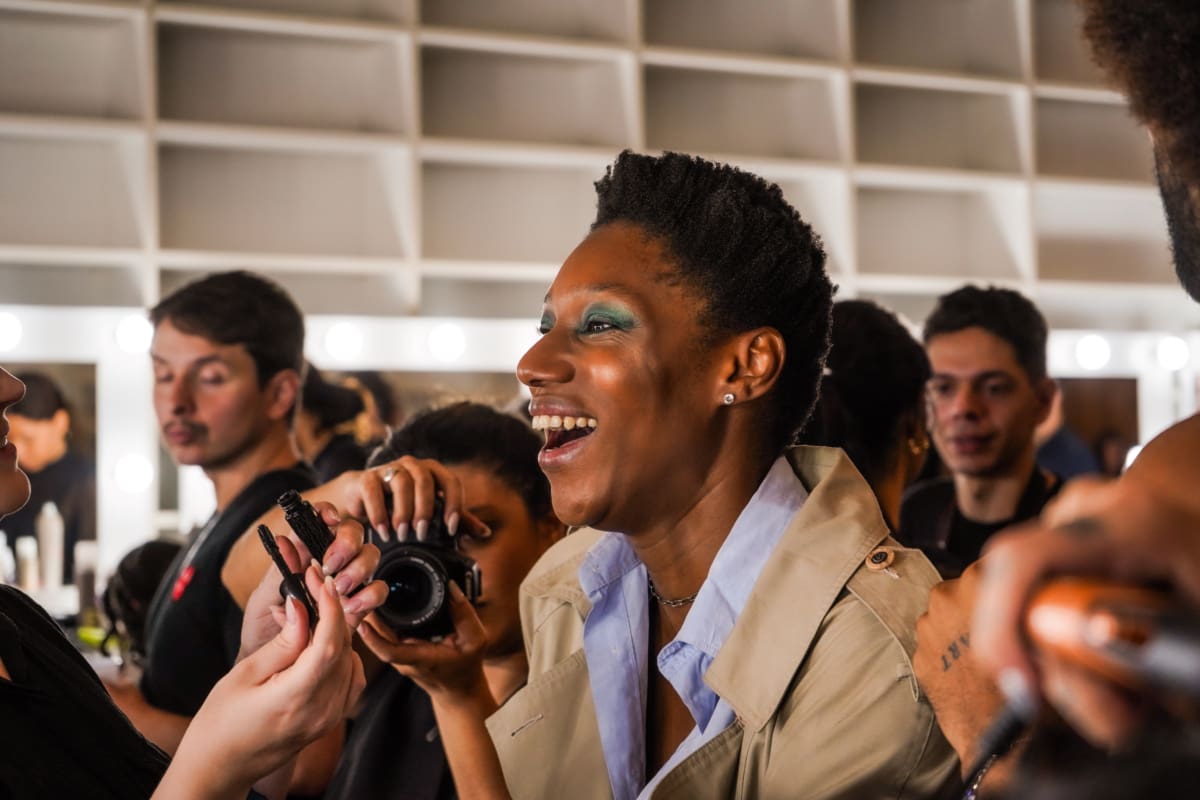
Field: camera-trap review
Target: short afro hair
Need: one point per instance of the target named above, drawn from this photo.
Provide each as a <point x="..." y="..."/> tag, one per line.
<point x="876" y="378"/>
<point x="743" y="249"/>
<point x="1004" y="313"/>
<point x="1152" y="49"/>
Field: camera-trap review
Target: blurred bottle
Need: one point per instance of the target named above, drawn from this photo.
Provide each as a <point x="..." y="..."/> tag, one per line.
<point x="87" y="556"/>
<point x="27" y="564"/>
<point x="8" y="562"/>
<point x="49" y="529"/>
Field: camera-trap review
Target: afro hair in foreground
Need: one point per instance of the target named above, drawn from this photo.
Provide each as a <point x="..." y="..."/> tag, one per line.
<point x="743" y="249"/>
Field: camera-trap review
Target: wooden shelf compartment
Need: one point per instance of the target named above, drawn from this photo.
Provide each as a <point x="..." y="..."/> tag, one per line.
<point x="70" y="65"/>
<point x="505" y="213"/>
<point x="823" y="201"/>
<point x="386" y="11"/>
<point x="489" y="299"/>
<point x="218" y="75"/>
<point x="809" y="29"/>
<point x="267" y="201"/>
<point x="931" y="128"/>
<point x="975" y="37"/>
<point x="116" y="282"/>
<point x="72" y="192"/>
<point x="1091" y="232"/>
<point x="1060" y="53"/>
<point x="586" y="20"/>
<point x="1091" y="140"/>
<point x="729" y="113"/>
<point x="497" y="96"/>
<point x="967" y="235"/>
<point x="1082" y="306"/>
<point x="329" y="293"/>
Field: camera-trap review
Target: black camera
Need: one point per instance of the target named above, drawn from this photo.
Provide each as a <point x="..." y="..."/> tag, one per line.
<point x="418" y="576"/>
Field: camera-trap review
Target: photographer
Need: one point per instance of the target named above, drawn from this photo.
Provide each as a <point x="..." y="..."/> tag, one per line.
<point x="394" y="744"/>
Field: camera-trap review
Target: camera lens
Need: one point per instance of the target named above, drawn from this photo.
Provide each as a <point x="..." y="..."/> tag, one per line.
<point x="416" y="588"/>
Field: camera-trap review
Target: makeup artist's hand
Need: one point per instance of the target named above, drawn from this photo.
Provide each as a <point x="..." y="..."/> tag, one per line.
<point x="271" y="704"/>
<point x="964" y="696"/>
<point x="264" y="616"/>
<point x="1142" y="527"/>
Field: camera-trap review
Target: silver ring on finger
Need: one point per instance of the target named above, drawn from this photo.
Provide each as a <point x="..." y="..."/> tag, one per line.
<point x="388" y="474"/>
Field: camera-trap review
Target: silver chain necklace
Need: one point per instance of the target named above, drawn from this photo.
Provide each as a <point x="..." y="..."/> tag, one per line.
<point x="678" y="603"/>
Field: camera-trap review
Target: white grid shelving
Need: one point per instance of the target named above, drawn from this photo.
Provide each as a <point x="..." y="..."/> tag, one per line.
<point x="436" y="156"/>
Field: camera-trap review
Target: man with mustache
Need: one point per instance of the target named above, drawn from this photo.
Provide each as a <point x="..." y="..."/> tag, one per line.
<point x="227" y="356"/>
<point x="987" y="394"/>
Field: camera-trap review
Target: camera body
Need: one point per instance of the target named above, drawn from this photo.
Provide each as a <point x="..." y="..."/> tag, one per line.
<point x="418" y="576"/>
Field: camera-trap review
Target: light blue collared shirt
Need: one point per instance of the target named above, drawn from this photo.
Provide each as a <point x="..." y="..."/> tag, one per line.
<point x="617" y="631"/>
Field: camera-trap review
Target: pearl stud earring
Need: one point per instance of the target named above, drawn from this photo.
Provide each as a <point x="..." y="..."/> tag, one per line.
<point x="728" y="398"/>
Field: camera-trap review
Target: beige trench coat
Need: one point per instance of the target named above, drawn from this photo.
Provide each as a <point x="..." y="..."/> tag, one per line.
<point x="817" y="669"/>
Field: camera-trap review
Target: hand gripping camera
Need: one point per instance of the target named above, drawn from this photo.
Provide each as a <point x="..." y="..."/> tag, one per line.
<point x="418" y="576"/>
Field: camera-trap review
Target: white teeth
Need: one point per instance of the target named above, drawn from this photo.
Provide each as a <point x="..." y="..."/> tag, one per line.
<point x="547" y="422"/>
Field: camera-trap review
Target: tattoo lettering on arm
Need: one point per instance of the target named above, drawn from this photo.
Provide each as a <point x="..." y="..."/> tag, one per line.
<point x="956" y="650"/>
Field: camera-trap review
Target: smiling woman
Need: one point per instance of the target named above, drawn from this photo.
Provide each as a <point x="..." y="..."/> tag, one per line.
<point x="732" y="620"/>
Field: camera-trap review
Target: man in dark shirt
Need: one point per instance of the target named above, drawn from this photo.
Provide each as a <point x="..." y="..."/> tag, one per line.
<point x="41" y="427"/>
<point x="988" y="392"/>
<point x="228" y="358"/>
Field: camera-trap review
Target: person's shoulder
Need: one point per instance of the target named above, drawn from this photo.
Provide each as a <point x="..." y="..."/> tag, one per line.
<point x="553" y="603"/>
<point x="557" y="571"/>
<point x="897" y="596"/>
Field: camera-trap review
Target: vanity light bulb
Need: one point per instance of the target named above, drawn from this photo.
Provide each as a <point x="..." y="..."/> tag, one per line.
<point x="1093" y="351"/>
<point x="447" y="342"/>
<point x="10" y="331"/>
<point x="1173" y="353"/>
<point x="344" y="341"/>
<point x="134" y="473"/>
<point x="134" y="334"/>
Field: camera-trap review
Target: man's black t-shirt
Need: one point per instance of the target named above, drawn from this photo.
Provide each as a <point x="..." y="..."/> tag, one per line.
<point x="193" y="628"/>
<point x="930" y="520"/>
<point x="60" y="734"/>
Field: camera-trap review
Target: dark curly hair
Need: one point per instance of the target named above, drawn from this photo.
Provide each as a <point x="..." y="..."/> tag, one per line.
<point x="1001" y="312"/>
<point x="737" y="243"/>
<point x="472" y="433"/>
<point x="240" y="308"/>
<point x="876" y="377"/>
<point x="1152" y="49"/>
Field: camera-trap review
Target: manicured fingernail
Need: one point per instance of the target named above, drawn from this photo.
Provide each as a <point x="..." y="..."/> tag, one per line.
<point x="312" y="562"/>
<point x="1017" y="691"/>
<point x="402" y="531"/>
<point x="344" y="584"/>
<point x="333" y="562"/>
<point x="382" y="530"/>
<point x="330" y="586"/>
<point x="422" y="528"/>
<point x="290" y="604"/>
<point x="352" y="605"/>
<point x="452" y="523"/>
